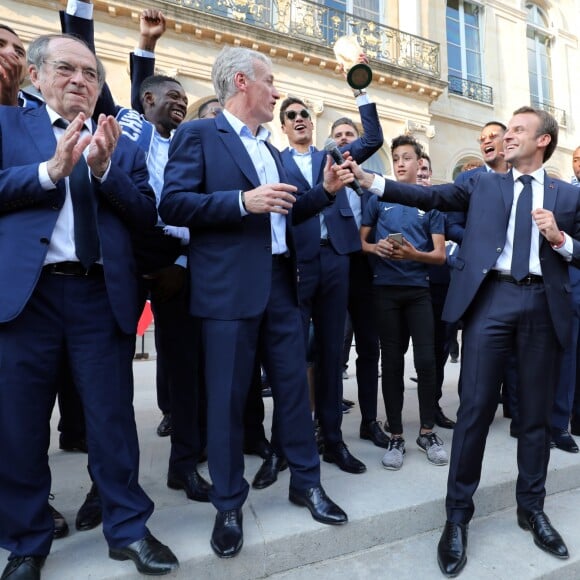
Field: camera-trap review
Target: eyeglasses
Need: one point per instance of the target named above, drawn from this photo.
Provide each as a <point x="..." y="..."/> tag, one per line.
<point x="67" y="70"/>
<point x="488" y="137"/>
<point x="304" y="113"/>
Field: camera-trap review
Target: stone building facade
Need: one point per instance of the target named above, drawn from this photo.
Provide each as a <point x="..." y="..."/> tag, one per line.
<point x="441" y="68"/>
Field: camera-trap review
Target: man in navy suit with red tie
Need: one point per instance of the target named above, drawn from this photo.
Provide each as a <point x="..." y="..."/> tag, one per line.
<point x="226" y="183"/>
<point x="510" y="285"/>
<point x="69" y="289"/>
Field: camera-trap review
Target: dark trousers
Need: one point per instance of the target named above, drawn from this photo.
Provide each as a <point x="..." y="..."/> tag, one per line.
<point x="72" y="419"/>
<point x="504" y="318"/>
<point x="254" y="412"/>
<point x="362" y="315"/>
<point x="230" y="348"/>
<point x="399" y="308"/>
<point x="178" y="344"/>
<point x="566" y="388"/>
<point x="323" y="291"/>
<point x="67" y="316"/>
<point x="442" y="336"/>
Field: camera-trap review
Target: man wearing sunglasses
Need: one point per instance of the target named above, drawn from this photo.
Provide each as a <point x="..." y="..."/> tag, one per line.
<point x="323" y="245"/>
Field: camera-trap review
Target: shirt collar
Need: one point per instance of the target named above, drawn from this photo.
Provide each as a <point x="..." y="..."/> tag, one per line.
<point x="538" y="175"/>
<point x="243" y="130"/>
<point x="295" y="153"/>
<point x="54" y="116"/>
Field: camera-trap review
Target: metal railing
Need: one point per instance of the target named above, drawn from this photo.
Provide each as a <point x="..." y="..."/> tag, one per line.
<point x="470" y="89"/>
<point x="311" y="21"/>
<point x="558" y="114"/>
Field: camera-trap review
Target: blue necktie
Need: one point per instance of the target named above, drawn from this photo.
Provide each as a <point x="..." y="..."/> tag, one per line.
<point x="523" y="231"/>
<point x="83" y="202"/>
<point x="87" y="246"/>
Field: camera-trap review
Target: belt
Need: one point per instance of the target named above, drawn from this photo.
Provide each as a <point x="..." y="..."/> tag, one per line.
<point x="529" y="279"/>
<point x="324" y="241"/>
<point x="73" y="269"/>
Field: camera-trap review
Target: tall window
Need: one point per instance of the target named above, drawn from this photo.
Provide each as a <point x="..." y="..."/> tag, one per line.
<point x="540" y="70"/>
<point x="463" y="40"/>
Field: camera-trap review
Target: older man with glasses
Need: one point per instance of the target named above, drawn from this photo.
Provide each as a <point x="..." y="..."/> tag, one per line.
<point x="70" y="191"/>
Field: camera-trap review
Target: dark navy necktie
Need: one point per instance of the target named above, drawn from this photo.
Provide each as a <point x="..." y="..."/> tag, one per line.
<point x="84" y="214"/>
<point x="523" y="231"/>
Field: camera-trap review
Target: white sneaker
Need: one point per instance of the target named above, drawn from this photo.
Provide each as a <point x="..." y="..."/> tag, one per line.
<point x="393" y="458"/>
<point x="433" y="447"/>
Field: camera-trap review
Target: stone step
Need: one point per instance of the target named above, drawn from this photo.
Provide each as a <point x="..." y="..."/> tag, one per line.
<point x="497" y="550"/>
<point x="389" y="511"/>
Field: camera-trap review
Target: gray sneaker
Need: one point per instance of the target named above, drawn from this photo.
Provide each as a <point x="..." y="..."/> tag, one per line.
<point x="393" y="458"/>
<point x="433" y="447"/>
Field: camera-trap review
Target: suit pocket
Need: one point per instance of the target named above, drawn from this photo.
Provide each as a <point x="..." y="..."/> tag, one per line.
<point x="346" y="212"/>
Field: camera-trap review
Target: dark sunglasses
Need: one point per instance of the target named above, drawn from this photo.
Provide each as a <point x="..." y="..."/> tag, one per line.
<point x="293" y="114"/>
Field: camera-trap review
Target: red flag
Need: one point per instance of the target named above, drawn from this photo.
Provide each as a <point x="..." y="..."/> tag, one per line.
<point x="145" y="320"/>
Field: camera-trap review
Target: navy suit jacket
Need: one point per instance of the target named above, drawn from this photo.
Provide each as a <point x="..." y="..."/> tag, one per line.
<point x="342" y="231"/>
<point x="28" y="214"/>
<point x="230" y="256"/>
<point x="487" y="198"/>
<point x="455" y="220"/>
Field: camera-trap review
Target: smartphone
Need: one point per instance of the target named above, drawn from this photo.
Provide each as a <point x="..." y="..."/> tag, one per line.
<point x="398" y="238"/>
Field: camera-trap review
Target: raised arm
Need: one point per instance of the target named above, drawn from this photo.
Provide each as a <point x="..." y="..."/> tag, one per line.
<point x="152" y="26"/>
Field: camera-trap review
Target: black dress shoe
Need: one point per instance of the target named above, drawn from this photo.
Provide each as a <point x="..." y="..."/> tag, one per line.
<point x="90" y="514"/>
<point x="442" y="421"/>
<point x="339" y="454"/>
<point x="268" y="472"/>
<point x="60" y="525"/>
<point x="68" y="443"/>
<point x="561" y="439"/>
<point x="227" y="537"/>
<point x="545" y="536"/>
<point x="151" y="557"/>
<point x="348" y="402"/>
<point x="194" y="485"/>
<point x="164" y="427"/>
<point x="451" y="551"/>
<point x="262" y="448"/>
<point x="322" y="508"/>
<point x="372" y="431"/>
<point x="23" y="568"/>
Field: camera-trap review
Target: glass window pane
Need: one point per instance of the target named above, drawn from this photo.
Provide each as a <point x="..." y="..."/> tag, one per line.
<point x="453" y="9"/>
<point x="454" y="59"/>
<point x="453" y="32"/>
<point x="472" y="38"/>
<point x="474" y="66"/>
<point x="471" y="14"/>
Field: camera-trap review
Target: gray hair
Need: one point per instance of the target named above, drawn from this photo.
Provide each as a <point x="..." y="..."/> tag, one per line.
<point x="232" y="60"/>
<point x="38" y="49"/>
